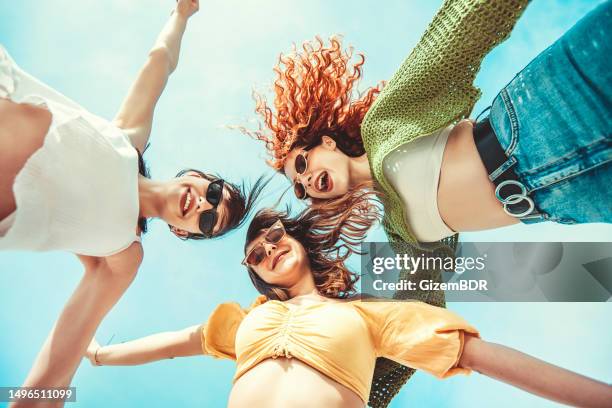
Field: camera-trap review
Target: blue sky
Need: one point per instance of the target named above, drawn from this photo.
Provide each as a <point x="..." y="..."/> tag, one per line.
<point x="91" y="51"/>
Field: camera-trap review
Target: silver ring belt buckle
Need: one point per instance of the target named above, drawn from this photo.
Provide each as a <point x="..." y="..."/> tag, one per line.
<point x="514" y="199"/>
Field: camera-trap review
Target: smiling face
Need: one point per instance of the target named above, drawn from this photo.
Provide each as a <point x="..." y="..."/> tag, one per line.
<point x="185" y="201"/>
<point x="285" y="262"/>
<point x="327" y="174"/>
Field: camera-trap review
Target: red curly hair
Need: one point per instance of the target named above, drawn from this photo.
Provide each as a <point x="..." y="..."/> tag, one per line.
<point x="313" y="98"/>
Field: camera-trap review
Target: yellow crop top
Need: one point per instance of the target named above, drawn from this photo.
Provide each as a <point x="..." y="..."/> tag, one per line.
<point x="414" y="334"/>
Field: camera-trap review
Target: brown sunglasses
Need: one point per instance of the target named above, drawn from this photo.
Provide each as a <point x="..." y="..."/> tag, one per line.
<point x="258" y="253"/>
<point x="300" y="164"/>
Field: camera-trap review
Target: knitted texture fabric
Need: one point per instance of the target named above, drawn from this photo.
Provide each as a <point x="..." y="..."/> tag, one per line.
<point x="389" y="376"/>
<point x="433" y="87"/>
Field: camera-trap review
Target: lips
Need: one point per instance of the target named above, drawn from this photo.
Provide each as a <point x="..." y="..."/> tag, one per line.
<point x="187" y="201"/>
<point x="324" y="182"/>
<point x="278" y="257"/>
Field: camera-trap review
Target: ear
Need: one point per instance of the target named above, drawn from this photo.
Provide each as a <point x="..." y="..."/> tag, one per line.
<point x="179" y="232"/>
<point x="328" y="143"/>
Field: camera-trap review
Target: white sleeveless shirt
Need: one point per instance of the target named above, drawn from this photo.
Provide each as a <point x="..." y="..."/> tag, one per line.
<point x="79" y="191"/>
<point x="413" y="169"/>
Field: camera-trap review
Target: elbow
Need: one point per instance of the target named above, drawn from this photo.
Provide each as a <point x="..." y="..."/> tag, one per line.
<point x="172" y="349"/>
<point x="126" y="275"/>
<point x="161" y="55"/>
<point x="124" y="265"/>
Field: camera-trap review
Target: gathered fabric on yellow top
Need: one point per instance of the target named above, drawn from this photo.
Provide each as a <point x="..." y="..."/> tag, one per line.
<point x="414" y="334"/>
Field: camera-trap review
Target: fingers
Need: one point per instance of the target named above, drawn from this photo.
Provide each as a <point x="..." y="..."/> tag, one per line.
<point x="187" y="8"/>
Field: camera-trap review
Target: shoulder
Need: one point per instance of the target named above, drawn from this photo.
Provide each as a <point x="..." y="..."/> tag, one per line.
<point x="259" y="300"/>
<point x="233" y="310"/>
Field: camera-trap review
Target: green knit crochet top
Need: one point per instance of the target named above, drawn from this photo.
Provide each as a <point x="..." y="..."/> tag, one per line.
<point x="433" y="88"/>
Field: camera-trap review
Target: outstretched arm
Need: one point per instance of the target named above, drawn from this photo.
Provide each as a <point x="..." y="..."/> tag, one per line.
<point x="136" y="113"/>
<point x="533" y="375"/>
<point x="182" y="343"/>
<point x="104" y="282"/>
<point x="434" y="85"/>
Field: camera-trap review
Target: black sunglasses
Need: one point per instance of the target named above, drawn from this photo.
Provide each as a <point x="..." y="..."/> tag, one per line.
<point x="208" y="218"/>
<point x="258" y="253"/>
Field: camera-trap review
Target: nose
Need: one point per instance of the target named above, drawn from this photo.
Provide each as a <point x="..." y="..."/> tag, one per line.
<point x="305" y="178"/>
<point x="269" y="248"/>
<point x="202" y="204"/>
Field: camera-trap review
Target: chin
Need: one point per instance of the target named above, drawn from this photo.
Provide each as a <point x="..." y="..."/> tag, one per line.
<point x="290" y="266"/>
<point x="337" y="193"/>
<point x="328" y="195"/>
<point x="286" y="266"/>
<point x="340" y="188"/>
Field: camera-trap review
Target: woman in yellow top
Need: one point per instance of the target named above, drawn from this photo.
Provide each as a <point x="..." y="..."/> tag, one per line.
<point x="298" y="332"/>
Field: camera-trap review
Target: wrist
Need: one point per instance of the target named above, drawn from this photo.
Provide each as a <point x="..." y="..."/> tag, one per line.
<point x="97" y="357"/>
<point x="183" y="17"/>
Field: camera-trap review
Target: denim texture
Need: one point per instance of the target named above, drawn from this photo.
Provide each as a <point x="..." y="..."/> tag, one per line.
<point x="555" y="118"/>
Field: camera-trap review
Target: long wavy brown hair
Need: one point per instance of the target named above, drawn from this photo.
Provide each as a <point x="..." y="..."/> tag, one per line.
<point x="314" y="96"/>
<point x="329" y="238"/>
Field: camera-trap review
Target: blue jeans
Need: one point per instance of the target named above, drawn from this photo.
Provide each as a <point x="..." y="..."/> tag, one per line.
<point x="554" y="122"/>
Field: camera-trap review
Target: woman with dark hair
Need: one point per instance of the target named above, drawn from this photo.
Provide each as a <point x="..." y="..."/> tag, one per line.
<point x="299" y="330"/>
<point x="544" y="152"/>
<point x="72" y="181"/>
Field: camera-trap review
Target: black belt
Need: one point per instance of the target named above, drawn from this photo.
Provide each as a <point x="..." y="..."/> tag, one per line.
<point x="510" y="191"/>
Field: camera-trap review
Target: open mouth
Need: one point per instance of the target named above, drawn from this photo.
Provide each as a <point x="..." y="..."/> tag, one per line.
<point x="278" y="257"/>
<point x="187" y="200"/>
<point x="324" y="182"/>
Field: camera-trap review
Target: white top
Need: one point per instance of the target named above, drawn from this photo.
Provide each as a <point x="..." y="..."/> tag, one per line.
<point x="79" y="191"/>
<point x="413" y="170"/>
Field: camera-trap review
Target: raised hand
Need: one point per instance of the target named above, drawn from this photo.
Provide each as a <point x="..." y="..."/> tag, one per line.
<point x="187" y="8"/>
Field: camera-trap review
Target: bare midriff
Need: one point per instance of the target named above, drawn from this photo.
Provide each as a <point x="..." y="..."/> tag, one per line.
<point x="288" y="382"/>
<point x="466" y="196"/>
<point x="23" y="128"/>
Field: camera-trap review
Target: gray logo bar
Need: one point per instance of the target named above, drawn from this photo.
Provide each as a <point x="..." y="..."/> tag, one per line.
<point x="490" y="271"/>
